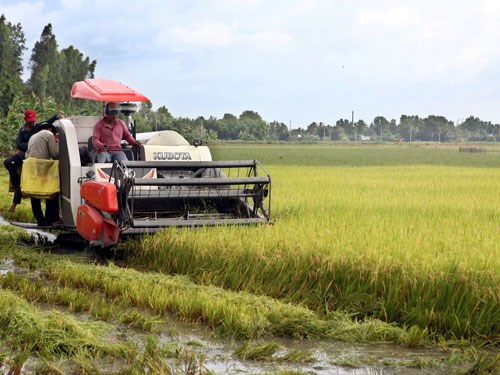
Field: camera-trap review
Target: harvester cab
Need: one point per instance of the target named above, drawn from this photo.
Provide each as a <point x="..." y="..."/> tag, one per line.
<point x="166" y="182"/>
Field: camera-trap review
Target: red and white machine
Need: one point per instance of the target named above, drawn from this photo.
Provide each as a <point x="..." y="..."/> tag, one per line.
<point x="166" y="182"/>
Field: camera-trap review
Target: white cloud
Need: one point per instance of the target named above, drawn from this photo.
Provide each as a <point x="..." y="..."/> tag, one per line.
<point x="389" y="18"/>
<point x="71" y="5"/>
<point x="204" y="35"/>
<point x="271" y="41"/>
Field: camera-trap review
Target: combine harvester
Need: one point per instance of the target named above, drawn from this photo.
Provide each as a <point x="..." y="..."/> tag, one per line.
<point x="165" y="183"/>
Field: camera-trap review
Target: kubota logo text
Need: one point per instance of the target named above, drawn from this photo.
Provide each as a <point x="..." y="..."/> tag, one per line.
<point x="171" y="156"/>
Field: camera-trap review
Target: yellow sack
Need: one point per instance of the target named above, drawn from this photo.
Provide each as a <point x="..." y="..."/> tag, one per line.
<point x="40" y="178"/>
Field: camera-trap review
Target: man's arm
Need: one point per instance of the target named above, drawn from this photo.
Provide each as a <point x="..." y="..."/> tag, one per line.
<point x="53" y="146"/>
<point x="128" y="137"/>
<point x="21" y="141"/>
<point x="52" y="119"/>
<point x="96" y="139"/>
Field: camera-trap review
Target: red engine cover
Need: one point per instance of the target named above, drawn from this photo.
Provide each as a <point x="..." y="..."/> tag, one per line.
<point x="101" y="195"/>
<point x="95" y="228"/>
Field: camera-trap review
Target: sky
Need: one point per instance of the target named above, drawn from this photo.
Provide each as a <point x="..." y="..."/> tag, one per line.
<point x="291" y="61"/>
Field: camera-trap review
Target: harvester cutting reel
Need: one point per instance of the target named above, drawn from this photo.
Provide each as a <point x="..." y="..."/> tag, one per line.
<point x="143" y="197"/>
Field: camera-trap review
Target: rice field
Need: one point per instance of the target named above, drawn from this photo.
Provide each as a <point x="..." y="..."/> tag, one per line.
<point x="369" y="244"/>
<point x="391" y="233"/>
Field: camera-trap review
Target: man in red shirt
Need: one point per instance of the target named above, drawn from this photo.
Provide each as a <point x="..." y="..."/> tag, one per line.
<point x="108" y="134"/>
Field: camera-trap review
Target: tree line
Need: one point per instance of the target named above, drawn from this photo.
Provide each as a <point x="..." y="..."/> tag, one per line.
<point x="409" y="129"/>
<point x="52" y="73"/>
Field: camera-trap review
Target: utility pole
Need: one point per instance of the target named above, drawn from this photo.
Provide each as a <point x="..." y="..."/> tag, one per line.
<point x="352" y="124"/>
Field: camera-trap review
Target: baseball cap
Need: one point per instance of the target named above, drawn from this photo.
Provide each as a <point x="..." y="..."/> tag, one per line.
<point x="111" y="108"/>
<point x="30" y="116"/>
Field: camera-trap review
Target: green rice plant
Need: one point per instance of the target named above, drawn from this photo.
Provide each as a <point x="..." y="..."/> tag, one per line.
<point x="172" y="358"/>
<point x="50" y="333"/>
<point x="85" y="364"/>
<point x="297" y="356"/>
<point x="16" y="362"/>
<point x="271" y="352"/>
<point x="257" y="351"/>
<point x="50" y="368"/>
<point x="140" y="320"/>
<point x="23" y="211"/>
<point x="231" y="313"/>
<point x="10" y="235"/>
<point x="413" y="245"/>
<point x="486" y="364"/>
<point x="79" y="300"/>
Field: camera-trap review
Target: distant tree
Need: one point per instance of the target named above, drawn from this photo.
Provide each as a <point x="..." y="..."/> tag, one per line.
<point x="325" y="131"/>
<point x="339" y="134"/>
<point x="164" y="119"/>
<point x="279" y="131"/>
<point x="312" y="128"/>
<point x="12" y="45"/>
<point x="185" y="126"/>
<point x="410" y="127"/>
<point x="474" y="129"/>
<point x="211" y="126"/>
<point x="472" y="124"/>
<point x="145" y="117"/>
<point x="52" y="72"/>
<point x="379" y="126"/>
<point x="255" y="127"/>
<point x="436" y="128"/>
<point x="493" y="131"/>
<point x="45" y="65"/>
<point x="15" y="118"/>
<point x="229" y="127"/>
<point x="73" y="68"/>
<point x="346" y="125"/>
<point x="360" y="128"/>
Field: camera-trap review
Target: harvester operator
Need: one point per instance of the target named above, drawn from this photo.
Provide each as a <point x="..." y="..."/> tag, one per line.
<point x="108" y="134"/>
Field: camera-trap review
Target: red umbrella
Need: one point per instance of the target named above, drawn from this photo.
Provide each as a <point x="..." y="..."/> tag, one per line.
<point x="105" y="90"/>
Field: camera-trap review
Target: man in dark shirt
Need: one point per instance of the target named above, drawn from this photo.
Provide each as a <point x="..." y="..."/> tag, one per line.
<point x="15" y="161"/>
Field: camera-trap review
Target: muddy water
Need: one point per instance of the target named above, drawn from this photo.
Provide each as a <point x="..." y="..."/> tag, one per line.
<point x="326" y="356"/>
